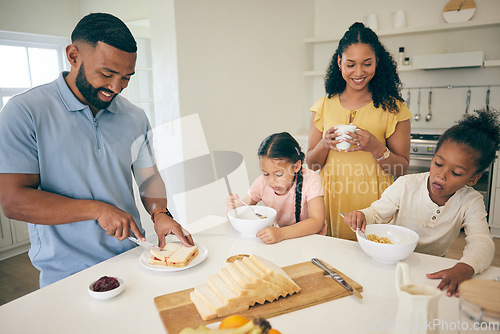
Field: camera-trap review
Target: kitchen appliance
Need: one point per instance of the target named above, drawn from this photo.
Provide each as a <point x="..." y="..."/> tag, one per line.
<point x="422" y="148"/>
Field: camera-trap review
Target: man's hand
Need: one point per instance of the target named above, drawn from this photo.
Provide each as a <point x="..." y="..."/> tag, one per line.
<point x="452" y="277"/>
<point x="164" y="225"/>
<point x="117" y="223"/>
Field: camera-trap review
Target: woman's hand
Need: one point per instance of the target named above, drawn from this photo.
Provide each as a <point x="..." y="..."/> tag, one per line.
<point x="270" y="235"/>
<point x="356" y="220"/>
<point x="329" y="140"/>
<point x="452" y="277"/>
<point x="364" y="140"/>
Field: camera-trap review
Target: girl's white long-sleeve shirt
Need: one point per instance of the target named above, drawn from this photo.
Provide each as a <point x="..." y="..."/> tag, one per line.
<point x="408" y="203"/>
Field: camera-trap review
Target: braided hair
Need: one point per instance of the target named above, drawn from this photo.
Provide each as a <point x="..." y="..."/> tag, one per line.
<point x="480" y="132"/>
<point x="283" y="146"/>
<point x="385" y="85"/>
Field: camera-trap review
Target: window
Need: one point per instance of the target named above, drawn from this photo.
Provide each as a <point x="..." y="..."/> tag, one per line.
<point x="140" y="89"/>
<point x="28" y="60"/>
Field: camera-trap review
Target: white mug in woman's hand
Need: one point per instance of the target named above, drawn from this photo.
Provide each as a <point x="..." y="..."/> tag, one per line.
<point x="344" y="129"/>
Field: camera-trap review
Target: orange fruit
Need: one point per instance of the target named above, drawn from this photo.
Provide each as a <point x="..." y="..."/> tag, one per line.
<point x="273" y="331"/>
<point x="233" y="321"/>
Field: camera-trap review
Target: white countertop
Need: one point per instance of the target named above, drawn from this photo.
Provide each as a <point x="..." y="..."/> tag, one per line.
<point x="66" y="306"/>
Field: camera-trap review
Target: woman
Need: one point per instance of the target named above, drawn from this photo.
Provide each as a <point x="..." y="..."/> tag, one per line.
<point x="362" y="88"/>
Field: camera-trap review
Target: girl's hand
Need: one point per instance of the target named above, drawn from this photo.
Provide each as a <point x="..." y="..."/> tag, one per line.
<point x="356" y="220"/>
<point x="270" y="235"/>
<point x="364" y="140"/>
<point x="232" y="202"/>
<point x="329" y="140"/>
<point x="452" y="277"/>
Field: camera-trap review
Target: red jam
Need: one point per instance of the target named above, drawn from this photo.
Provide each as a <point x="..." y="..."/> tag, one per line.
<point x="105" y="283"/>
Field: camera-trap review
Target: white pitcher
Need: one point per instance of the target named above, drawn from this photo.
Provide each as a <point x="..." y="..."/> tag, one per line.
<point x="417" y="304"/>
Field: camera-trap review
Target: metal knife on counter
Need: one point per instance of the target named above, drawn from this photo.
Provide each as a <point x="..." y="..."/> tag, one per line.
<point x="336" y="277"/>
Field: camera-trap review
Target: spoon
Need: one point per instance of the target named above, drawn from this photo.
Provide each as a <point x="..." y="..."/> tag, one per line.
<point x="363" y="233"/>
<point x="429" y="113"/>
<point x="417" y="115"/>
<point x="255" y="213"/>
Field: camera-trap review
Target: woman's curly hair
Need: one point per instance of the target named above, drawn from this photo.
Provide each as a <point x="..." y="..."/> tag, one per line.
<point x="385" y="85"/>
<point x="480" y="131"/>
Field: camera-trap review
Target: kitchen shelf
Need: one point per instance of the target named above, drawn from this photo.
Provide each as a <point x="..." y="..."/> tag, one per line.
<point x="492" y="63"/>
<point x="405" y="68"/>
<point x="415" y="30"/>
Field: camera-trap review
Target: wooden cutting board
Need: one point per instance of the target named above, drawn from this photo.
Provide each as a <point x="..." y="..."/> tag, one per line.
<point x="177" y="311"/>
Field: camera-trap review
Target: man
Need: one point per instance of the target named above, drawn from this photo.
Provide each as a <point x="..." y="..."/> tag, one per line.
<point x="67" y="153"/>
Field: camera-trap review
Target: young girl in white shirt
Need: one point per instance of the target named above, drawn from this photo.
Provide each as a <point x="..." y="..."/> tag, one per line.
<point x="293" y="190"/>
<point x="438" y="203"/>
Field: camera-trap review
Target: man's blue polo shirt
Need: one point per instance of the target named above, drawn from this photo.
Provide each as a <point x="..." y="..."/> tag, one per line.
<point x="48" y="131"/>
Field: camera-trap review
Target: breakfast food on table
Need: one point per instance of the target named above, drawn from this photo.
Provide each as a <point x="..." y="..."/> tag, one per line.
<point x="236" y="257"/>
<point x="381" y="240"/>
<point x="174" y="254"/>
<point x="241" y="284"/>
<point x="236" y="324"/>
<point x="105" y="283"/>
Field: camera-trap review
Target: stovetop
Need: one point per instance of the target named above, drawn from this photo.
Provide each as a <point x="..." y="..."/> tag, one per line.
<point x="425" y="136"/>
<point x="424" y="144"/>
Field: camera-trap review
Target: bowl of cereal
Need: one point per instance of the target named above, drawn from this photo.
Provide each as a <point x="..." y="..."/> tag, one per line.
<point x="387" y="243"/>
<point x="247" y="223"/>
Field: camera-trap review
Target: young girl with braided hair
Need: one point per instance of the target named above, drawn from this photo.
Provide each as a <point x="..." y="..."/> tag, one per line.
<point x="438" y="203"/>
<point x="292" y="189"/>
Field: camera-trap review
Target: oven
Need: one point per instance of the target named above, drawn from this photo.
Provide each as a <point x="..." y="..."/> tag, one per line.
<point x="422" y="149"/>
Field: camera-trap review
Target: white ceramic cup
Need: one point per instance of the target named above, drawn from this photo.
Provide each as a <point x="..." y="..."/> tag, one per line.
<point x="345" y="129"/>
<point x="371" y="21"/>
<point x="398" y="19"/>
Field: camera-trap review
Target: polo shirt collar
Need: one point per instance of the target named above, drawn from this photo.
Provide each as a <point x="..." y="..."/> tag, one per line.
<point x="69" y="99"/>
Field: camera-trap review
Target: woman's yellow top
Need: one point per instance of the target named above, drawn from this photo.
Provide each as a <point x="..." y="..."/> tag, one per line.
<point x="353" y="180"/>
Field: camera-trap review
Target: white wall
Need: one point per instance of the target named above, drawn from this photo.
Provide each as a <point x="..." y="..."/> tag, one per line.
<point x="240" y="67"/>
<point x="48" y="17"/>
<point x="333" y="18"/>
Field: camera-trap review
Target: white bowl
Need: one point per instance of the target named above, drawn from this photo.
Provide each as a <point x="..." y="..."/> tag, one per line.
<point x="107" y="294"/>
<point x="403" y="241"/>
<point x="248" y="224"/>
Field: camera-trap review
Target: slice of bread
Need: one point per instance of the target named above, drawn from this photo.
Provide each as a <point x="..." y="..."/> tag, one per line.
<point x="215" y="304"/>
<point x="285" y="288"/>
<point x="275" y="271"/>
<point x="252" y="294"/>
<point x="182" y="256"/>
<point x="202" y="309"/>
<point x="223" y="291"/>
<point x="160" y="256"/>
<point x="240" y="285"/>
<point x="271" y="291"/>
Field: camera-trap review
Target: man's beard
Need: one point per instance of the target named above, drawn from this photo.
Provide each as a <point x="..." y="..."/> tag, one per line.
<point x="89" y="92"/>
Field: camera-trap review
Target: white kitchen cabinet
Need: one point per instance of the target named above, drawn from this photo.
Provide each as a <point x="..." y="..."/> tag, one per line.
<point x="14" y="238"/>
<point x="5" y="231"/>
